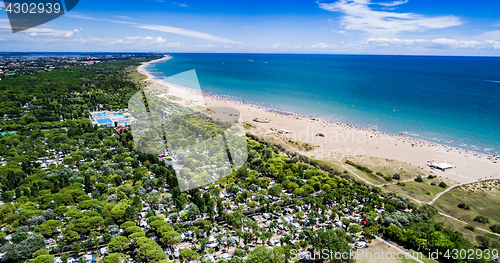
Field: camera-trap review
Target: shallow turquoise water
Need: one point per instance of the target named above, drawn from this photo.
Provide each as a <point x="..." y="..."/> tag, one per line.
<point x="450" y="100"/>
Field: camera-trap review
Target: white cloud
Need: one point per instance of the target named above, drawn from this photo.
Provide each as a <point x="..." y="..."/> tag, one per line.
<point x="51" y="32"/>
<point x="489" y="35"/>
<point x="205" y="46"/>
<point x="124" y="17"/>
<point x="395" y="3"/>
<point x="432" y="43"/>
<point x="167" y="29"/>
<point x="79" y="16"/>
<point x="185" y="32"/>
<point x="4" y="24"/>
<point x="143" y="41"/>
<point x="320" y="45"/>
<point x="361" y="15"/>
<point x="2" y="5"/>
<point x="179" y="4"/>
<point x="160" y="40"/>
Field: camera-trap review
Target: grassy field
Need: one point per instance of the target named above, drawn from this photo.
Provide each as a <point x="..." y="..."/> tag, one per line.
<point x="370" y="177"/>
<point x="483" y="198"/>
<point x="172" y="97"/>
<point x="201" y="108"/>
<point x="289" y="144"/>
<point x="455" y="225"/>
<point x="423" y="191"/>
<point x="248" y="126"/>
<point x="389" y="167"/>
<point x="337" y="167"/>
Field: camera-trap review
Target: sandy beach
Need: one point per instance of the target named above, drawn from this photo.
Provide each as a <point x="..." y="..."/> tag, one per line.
<point x="342" y="140"/>
<point x="142" y="68"/>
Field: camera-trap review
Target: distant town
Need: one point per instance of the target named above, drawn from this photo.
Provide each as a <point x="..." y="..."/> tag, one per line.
<point x="18" y="64"/>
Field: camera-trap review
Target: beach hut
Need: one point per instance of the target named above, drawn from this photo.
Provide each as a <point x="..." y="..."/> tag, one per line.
<point x="444" y="166"/>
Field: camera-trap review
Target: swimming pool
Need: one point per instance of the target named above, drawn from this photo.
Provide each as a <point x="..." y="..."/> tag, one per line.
<point x="105" y="121"/>
<point x="124" y="121"/>
<point x="118" y="114"/>
<point x="101" y="114"/>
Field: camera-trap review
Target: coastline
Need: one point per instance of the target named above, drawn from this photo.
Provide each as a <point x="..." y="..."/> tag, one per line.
<point x="343" y="140"/>
<point x="142" y="68"/>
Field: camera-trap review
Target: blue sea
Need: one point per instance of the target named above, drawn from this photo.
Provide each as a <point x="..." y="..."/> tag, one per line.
<point x="448" y="100"/>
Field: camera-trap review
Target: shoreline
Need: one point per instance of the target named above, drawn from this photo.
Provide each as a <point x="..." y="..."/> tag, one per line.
<point x="142" y="68"/>
<point x="342" y="140"/>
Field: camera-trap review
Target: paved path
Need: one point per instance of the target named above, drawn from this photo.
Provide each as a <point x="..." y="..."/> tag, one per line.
<point x="457" y="185"/>
<point x="447" y="190"/>
<point x="482" y="229"/>
<point x="406" y="254"/>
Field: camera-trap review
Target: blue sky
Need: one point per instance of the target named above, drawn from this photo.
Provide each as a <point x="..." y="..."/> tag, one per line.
<point x="411" y="27"/>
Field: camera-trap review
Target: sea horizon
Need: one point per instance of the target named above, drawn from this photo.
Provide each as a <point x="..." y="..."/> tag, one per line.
<point x="244" y="53"/>
<point x="369" y="101"/>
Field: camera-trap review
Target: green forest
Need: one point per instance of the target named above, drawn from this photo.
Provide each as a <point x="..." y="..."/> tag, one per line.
<point x="72" y="192"/>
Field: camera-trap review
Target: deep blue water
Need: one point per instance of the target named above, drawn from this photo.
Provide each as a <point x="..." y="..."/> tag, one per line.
<point x="450" y="100"/>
